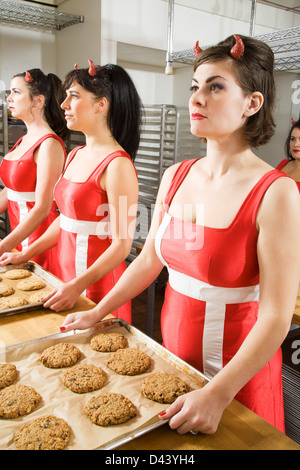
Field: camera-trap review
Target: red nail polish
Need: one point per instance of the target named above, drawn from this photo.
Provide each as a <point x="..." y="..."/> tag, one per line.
<point x="62" y="329"/>
<point x="162" y="414"/>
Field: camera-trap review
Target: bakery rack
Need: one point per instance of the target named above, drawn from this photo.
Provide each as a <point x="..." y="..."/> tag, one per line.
<point x="17" y="13"/>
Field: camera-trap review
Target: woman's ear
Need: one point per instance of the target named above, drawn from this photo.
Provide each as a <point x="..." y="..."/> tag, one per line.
<point x="102" y="105"/>
<point x="256" y="100"/>
<point x="39" y="101"/>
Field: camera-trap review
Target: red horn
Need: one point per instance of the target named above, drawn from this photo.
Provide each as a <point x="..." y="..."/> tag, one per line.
<point x="197" y="50"/>
<point x="76" y="67"/>
<point x="293" y="121"/>
<point x="28" y="77"/>
<point x="92" y="69"/>
<point x="238" y="49"/>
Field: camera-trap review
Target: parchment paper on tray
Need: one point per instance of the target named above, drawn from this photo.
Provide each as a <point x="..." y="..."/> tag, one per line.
<point x="63" y="403"/>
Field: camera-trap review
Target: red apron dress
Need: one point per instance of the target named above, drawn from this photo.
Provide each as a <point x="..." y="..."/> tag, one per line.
<point x="85" y="231"/>
<point x="282" y="165"/>
<point x="19" y="177"/>
<point x="211" y="300"/>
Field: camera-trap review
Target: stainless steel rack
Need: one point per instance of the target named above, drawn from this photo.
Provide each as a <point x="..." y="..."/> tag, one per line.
<point x="17" y="13"/>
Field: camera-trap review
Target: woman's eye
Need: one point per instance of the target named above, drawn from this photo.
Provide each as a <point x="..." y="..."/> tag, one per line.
<point x="193" y="89"/>
<point x="216" y="87"/>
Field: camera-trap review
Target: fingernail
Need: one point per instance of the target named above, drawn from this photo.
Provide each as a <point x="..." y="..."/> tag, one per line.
<point x="162" y="414"/>
<point x="62" y="329"/>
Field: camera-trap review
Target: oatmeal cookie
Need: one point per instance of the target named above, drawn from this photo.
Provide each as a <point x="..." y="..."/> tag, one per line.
<point x="31" y="284"/>
<point x="129" y="362"/>
<point x="12" y="302"/>
<point x="5" y="290"/>
<point x="37" y="297"/>
<point x="18" y="400"/>
<point x="17" y="273"/>
<point x="8" y="374"/>
<point x="60" y="355"/>
<point x="108" y="342"/>
<point x="163" y="387"/>
<point x="108" y="409"/>
<point x="45" y="433"/>
<point x="84" y="378"/>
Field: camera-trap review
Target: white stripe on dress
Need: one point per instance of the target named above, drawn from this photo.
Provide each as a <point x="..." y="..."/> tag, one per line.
<point x="21" y="198"/>
<point x="83" y="229"/>
<point x="216" y="299"/>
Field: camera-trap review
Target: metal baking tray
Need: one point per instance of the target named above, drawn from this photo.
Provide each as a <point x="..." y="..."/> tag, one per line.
<point x="49" y="278"/>
<point x="188" y="371"/>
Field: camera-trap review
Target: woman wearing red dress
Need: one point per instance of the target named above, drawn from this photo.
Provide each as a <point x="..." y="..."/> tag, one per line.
<point x="291" y="165"/>
<point x="31" y="169"/>
<point x="98" y="190"/>
<point x="221" y="226"/>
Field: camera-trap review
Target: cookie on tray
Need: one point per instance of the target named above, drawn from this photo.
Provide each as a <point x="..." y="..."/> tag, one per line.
<point x="12" y="302"/>
<point x="163" y="387"/>
<point x="6" y="291"/>
<point x="108" y="409"/>
<point x="18" y="400"/>
<point x="60" y="355"/>
<point x="108" y="342"/>
<point x="31" y="284"/>
<point x="8" y="374"/>
<point x="45" y="433"/>
<point x="37" y="297"/>
<point x="129" y="361"/>
<point x="84" y="378"/>
<point x="17" y="273"/>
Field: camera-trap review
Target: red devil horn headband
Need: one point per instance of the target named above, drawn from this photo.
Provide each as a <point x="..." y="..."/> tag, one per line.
<point x="197" y="50"/>
<point x="28" y="77"/>
<point x="238" y="49"/>
<point x="92" y="68"/>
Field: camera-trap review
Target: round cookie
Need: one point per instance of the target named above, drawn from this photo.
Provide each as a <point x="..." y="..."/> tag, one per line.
<point x="60" y="355"/>
<point x="17" y="400"/>
<point x="12" y="302"/>
<point x="37" y="297"/>
<point x="5" y="290"/>
<point x="108" y="342"/>
<point x="45" y="433"/>
<point x="163" y="387"/>
<point x="8" y="374"/>
<point x="108" y="409"/>
<point x="84" y="378"/>
<point x="129" y="362"/>
<point x="17" y="274"/>
<point x="31" y="284"/>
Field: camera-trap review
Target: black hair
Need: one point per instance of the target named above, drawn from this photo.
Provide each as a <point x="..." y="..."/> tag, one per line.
<point x="50" y="86"/>
<point x="288" y="140"/>
<point x="113" y="82"/>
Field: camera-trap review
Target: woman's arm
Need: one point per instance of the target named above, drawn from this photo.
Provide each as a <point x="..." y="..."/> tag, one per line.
<point x="139" y="275"/>
<point x="50" y="161"/>
<point x="3" y="200"/>
<point x="279" y="263"/>
<point x="48" y="240"/>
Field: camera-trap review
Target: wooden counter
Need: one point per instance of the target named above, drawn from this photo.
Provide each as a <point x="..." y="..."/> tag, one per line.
<point x="240" y="429"/>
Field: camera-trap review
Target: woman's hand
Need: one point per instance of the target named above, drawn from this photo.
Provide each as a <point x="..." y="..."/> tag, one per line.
<point x="13" y="258"/>
<point x="62" y="298"/>
<point x="197" y="411"/>
<point x="80" y="320"/>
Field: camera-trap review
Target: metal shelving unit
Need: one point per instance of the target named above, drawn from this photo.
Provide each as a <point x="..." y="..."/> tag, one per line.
<point x="17" y="13"/>
<point x="285" y="43"/>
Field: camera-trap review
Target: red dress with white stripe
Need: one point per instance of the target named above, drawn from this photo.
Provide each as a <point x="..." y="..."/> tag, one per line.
<point x="19" y="177"/>
<point x="211" y="300"/>
<point x="85" y="230"/>
<point x="282" y="164"/>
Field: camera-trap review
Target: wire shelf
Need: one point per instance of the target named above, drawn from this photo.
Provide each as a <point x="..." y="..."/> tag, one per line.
<point x="285" y="44"/>
<point x="36" y="17"/>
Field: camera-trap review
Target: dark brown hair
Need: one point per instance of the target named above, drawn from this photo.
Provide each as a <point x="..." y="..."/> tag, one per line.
<point x="288" y="141"/>
<point x="113" y="82"/>
<point x="254" y="72"/>
<point x="50" y="86"/>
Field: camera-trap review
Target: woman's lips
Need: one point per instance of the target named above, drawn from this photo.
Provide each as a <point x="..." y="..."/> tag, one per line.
<point x="198" y="117"/>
